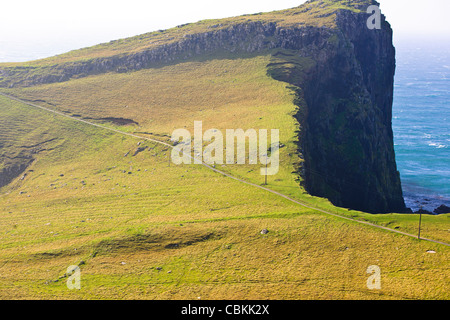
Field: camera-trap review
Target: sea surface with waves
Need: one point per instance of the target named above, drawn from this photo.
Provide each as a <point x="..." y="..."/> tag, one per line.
<point x="421" y="122"/>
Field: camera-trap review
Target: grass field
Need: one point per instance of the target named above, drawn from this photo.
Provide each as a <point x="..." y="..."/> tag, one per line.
<point x="141" y="229"/>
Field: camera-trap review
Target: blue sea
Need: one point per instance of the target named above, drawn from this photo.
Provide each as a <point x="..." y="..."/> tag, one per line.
<point x="421" y="122"/>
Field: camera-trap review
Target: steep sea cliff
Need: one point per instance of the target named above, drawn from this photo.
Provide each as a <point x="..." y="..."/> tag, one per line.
<point x="343" y="74"/>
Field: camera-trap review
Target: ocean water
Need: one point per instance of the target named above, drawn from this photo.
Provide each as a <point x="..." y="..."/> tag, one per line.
<point x="421" y="122"/>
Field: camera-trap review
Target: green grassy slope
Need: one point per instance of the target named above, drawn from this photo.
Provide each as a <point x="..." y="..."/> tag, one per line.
<point x="126" y="216"/>
<point x="223" y="93"/>
<point x="140" y="228"/>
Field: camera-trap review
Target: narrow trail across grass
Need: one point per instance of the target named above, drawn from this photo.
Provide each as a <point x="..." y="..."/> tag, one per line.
<point x="221" y="172"/>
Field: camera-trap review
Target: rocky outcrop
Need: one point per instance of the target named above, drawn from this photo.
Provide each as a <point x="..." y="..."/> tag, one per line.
<point x="251" y="37"/>
<point x="443" y="209"/>
<point x="16" y="163"/>
<point x="345" y="108"/>
<point x="343" y="77"/>
<point x="8" y="174"/>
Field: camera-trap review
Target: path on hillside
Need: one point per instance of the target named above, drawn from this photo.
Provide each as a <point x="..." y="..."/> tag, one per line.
<point x="221" y="172"/>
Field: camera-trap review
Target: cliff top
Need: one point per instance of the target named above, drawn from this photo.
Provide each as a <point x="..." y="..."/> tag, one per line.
<point x="314" y="13"/>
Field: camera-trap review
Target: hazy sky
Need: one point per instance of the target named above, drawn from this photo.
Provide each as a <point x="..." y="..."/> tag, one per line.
<point x="43" y="27"/>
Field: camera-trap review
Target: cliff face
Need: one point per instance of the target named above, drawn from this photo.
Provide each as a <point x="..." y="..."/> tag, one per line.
<point x="348" y="140"/>
<point x="250" y="38"/>
<point x="343" y="75"/>
<point x="345" y="108"/>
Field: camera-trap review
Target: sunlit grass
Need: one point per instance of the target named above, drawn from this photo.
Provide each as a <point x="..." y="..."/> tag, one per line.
<point x="125" y="216"/>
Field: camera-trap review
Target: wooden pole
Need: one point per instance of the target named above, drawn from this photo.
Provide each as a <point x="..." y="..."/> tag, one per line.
<point x="265" y="177"/>
<point x="266" y="174"/>
<point x="420" y="224"/>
